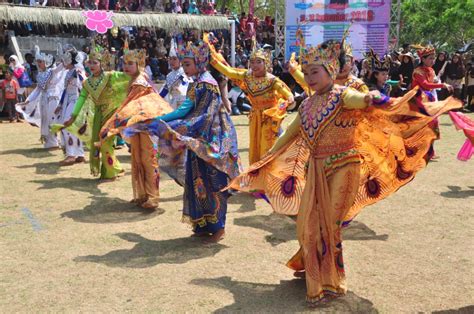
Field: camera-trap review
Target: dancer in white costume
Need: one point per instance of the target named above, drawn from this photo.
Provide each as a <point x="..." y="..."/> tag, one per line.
<point x="39" y="107"/>
<point x="176" y="85"/>
<point x="73" y="63"/>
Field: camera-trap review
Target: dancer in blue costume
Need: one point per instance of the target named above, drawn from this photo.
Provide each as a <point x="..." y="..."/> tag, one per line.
<point x="201" y="132"/>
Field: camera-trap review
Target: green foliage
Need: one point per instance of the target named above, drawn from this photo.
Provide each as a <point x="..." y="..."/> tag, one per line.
<point x="262" y="7"/>
<point x="448" y="24"/>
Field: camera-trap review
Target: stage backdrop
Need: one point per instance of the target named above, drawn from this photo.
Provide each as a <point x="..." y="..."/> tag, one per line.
<point x="320" y="20"/>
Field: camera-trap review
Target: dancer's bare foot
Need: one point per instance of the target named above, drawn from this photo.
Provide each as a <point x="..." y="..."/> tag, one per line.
<point x="69" y="161"/>
<point x="121" y="173"/>
<point x="80" y="160"/>
<point x="216" y="237"/>
<point x="300" y="274"/>
<point x="149" y="205"/>
<point x="200" y="235"/>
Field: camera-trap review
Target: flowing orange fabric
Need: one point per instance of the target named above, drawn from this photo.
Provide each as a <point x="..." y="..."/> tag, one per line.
<point x="142" y="103"/>
<point x="390" y="145"/>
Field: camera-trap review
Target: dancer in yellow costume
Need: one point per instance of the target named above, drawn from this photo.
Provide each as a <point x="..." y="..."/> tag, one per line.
<point x="333" y="166"/>
<point x="268" y="95"/>
<point x="142" y="103"/>
<point x="101" y="95"/>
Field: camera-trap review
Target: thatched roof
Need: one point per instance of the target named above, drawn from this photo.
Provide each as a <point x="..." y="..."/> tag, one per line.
<point x="60" y="16"/>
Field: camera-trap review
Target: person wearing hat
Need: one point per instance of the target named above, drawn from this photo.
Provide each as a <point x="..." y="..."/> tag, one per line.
<point x="406" y="68"/>
<point x="201" y="133"/>
<point x="424" y="78"/>
<point x="72" y="61"/>
<point x="142" y="103"/>
<point x="176" y="84"/>
<point x="38" y="109"/>
<point x="327" y="166"/>
<point x="268" y="95"/>
<point x="102" y="93"/>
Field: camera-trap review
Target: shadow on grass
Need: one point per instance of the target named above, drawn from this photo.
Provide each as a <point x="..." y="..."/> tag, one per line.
<point x="457" y="192"/>
<point x="29" y="152"/>
<point x="106" y="210"/>
<point x="286" y="297"/>
<point x="75" y="184"/>
<point x="246" y="201"/>
<point x="148" y="253"/>
<point x="462" y="310"/>
<point x="44" y="167"/>
<point x="282" y="228"/>
<point x="358" y="231"/>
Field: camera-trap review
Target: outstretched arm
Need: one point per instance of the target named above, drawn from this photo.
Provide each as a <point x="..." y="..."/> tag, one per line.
<point x="179" y="113"/>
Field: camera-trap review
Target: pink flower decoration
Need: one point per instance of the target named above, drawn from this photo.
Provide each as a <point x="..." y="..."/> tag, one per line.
<point x="99" y="21"/>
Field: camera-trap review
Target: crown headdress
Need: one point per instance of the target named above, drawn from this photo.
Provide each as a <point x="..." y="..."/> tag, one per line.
<point x="375" y="63"/>
<point x="99" y="53"/>
<point x="137" y="55"/>
<point x="326" y="55"/>
<point x="47" y="58"/>
<point x="261" y="54"/>
<point x="345" y="44"/>
<point x="200" y="54"/>
<point x="423" y="51"/>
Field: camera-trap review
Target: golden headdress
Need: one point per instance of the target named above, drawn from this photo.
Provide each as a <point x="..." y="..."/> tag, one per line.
<point x="345" y="44"/>
<point x="101" y="54"/>
<point x="261" y="54"/>
<point x="199" y="52"/>
<point x="324" y="54"/>
<point x="423" y="51"/>
<point x="375" y="63"/>
<point x="138" y="56"/>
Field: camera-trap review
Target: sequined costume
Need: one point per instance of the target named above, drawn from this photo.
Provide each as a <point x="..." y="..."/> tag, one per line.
<point x="335" y="157"/>
<point x="202" y="132"/>
<point x="142" y="103"/>
<point x="268" y="96"/>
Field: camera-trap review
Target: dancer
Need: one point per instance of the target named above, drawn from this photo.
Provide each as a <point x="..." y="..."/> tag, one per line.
<point x="334" y="166"/>
<point x="379" y="73"/>
<point x="202" y="132"/>
<point x="424" y="77"/>
<point x="73" y="63"/>
<point x="102" y="94"/>
<point x="176" y="85"/>
<point x="38" y="109"/>
<point x="267" y="94"/>
<point x="142" y="103"/>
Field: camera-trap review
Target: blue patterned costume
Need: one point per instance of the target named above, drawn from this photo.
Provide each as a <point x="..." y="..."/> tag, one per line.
<point x="201" y="133"/>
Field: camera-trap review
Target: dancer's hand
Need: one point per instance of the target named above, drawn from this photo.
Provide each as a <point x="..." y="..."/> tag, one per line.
<point x="450" y="88"/>
<point x="293" y="64"/>
<point x="371" y="96"/>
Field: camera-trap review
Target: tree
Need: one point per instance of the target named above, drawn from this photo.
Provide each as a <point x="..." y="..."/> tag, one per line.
<point x="262" y="7"/>
<point x="444" y="23"/>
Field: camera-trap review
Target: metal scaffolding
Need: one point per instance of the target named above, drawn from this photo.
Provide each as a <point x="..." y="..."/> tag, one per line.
<point x="394" y="31"/>
<point x="280" y="9"/>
